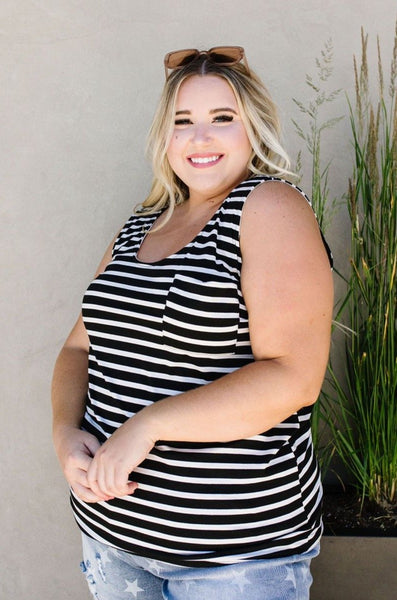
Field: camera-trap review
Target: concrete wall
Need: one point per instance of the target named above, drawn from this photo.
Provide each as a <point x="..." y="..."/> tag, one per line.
<point x="78" y="85"/>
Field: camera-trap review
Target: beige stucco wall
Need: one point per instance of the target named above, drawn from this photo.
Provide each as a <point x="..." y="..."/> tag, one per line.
<point x="78" y="85"/>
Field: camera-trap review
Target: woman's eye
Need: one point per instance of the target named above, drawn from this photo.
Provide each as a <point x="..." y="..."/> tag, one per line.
<point x="185" y="121"/>
<point x="223" y="119"/>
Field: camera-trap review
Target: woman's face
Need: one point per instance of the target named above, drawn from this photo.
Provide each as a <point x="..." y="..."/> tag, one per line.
<point x="209" y="149"/>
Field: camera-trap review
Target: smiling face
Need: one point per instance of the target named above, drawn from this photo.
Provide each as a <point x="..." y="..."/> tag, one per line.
<point x="209" y="150"/>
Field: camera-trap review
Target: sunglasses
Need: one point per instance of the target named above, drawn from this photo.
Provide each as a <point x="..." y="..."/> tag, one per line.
<point x="220" y="55"/>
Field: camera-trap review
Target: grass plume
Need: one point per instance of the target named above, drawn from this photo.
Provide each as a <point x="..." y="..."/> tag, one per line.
<point x="366" y="407"/>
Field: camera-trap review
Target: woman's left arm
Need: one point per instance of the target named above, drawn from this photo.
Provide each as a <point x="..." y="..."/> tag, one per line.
<point x="288" y="291"/>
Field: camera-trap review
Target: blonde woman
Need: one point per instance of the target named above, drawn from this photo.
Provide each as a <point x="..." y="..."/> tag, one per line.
<point x="182" y="396"/>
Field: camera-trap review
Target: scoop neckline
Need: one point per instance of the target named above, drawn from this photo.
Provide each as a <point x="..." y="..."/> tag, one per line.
<point x="158" y="213"/>
<point x="192" y="241"/>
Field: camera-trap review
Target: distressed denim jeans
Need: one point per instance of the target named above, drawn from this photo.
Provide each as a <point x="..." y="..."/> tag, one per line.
<point x="115" y="575"/>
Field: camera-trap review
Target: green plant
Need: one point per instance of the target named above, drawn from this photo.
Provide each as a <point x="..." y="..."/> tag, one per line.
<point x="323" y="206"/>
<point x="366" y="403"/>
<point x="316" y="123"/>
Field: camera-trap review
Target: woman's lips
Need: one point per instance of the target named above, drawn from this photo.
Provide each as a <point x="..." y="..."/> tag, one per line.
<point x="202" y="161"/>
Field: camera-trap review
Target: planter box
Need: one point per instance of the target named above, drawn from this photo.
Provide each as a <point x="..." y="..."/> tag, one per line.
<point x="355" y="568"/>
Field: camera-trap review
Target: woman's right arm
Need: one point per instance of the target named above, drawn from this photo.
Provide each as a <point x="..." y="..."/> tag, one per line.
<point x="75" y="448"/>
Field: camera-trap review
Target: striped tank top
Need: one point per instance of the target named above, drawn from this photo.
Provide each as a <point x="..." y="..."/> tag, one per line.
<point x="158" y="330"/>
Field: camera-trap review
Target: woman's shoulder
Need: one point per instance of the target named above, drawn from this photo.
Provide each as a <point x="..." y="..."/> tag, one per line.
<point x="279" y="204"/>
<point x="267" y="190"/>
<point x="268" y="186"/>
<point x="282" y="210"/>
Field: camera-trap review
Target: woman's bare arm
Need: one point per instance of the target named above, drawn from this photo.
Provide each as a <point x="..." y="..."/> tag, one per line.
<point x="75" y="448"/>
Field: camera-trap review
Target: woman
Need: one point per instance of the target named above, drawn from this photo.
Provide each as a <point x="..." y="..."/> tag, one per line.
<point x="182" y="397"/>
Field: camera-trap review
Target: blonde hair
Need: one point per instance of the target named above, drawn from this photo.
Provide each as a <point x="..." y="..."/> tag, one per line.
<point x="258" y="113"/>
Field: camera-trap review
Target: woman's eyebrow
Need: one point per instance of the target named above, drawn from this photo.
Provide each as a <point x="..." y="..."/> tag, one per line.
<point x="212" y="111"/>
<point x="225" y="109"/>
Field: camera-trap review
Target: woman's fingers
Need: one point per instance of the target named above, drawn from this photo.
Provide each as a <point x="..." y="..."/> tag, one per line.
<point x="87" y="494"/>
<point x="104" y="480"/>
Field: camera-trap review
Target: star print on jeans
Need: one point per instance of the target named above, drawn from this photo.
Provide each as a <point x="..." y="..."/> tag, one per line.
<point x="132" y="586"/>
<point x="153" y="566"/>
<point x="105" y="557"/>
<point x="239" y="579"/>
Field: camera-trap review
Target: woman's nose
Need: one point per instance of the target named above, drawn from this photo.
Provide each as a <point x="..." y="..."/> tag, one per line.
<point x="202" y="133"/>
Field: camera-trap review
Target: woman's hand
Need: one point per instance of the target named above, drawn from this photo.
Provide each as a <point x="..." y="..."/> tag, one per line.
<point x="75" y="450"/>
<point x="114" y="461"/>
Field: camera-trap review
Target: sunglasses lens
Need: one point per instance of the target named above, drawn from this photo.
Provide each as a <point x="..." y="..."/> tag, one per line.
<point x="180" y="58"/>
<point x="226" y="54"/>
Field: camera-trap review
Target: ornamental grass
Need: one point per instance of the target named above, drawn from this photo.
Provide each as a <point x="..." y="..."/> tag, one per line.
<point x="361" y="404"/>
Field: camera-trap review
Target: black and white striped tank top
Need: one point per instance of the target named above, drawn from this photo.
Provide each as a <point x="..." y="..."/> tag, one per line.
<point x="160" y="329"/>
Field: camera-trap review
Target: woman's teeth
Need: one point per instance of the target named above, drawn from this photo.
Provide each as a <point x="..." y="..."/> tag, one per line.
<point x="204" y="160"/>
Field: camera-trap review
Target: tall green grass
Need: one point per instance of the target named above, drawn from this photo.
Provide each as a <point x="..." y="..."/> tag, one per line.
<point x="365" y="401"/>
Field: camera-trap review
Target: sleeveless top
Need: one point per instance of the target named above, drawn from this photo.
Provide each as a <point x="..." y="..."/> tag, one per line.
<point x="160" y="329"/>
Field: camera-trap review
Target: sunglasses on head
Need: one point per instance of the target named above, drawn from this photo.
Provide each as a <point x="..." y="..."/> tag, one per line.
<point x="220" y="55"/>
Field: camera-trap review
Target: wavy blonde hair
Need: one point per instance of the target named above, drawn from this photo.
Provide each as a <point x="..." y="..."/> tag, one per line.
<point x="259" y="116"/>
